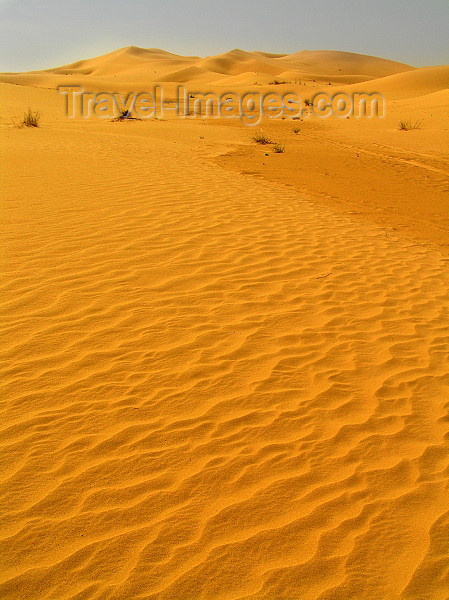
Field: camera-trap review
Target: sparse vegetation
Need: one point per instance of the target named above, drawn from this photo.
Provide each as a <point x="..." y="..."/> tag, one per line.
<point x="296" y="130"/>
<point x="407" y="125"/>
<point x="261" y="138"/>
<point x="308" y="102"/>
<point x="30" y="119"/>
<point x="277" y="82"/>
<point x="125" y="115"/>
<point x="279" y="148"/>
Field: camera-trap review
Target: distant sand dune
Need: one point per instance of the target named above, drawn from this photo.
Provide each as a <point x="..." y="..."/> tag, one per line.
<point x="419" y="82"/>
<point x="151" y="65"/>
<point x="331" y="62"/>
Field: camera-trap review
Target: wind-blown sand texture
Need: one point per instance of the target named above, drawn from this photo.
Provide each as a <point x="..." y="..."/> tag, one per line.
<point x="214" y="386"/>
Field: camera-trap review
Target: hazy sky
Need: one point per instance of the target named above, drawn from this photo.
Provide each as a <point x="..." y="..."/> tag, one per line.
<point x="38" y="34"/>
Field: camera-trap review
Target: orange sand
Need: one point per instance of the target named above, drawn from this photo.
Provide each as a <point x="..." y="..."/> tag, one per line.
<point x="225" y="375"/>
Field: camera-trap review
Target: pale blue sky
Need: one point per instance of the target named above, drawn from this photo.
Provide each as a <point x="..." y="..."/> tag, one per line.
<point x="37" y="34"/>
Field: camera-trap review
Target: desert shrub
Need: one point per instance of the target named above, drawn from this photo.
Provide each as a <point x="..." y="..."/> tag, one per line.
<point x="261" y="138"/>
<point x="277" y="82"/>
<point x="125" y="115"/>
<point x="407" y="125"/>
<point x="30" y="119"/>
<point x="308" y="102"/>
<point x="279" y="148"/>
<point x="296" y="130"/>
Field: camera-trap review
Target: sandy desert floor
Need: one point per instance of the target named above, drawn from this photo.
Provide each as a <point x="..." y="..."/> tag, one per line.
<point x="225" y="375"/>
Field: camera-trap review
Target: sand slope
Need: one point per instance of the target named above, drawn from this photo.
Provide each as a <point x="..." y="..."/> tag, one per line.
<point x="411" y="84"/>
<point x="213" y="388"/>
<point x="331" y="62"/>
<point x="305" y="72"/>
<point x="150" y="65"/>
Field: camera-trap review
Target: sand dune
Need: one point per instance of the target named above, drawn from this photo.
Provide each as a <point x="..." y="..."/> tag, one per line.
<point x="330" y="62"/>
<point x="190" y="74"/>
<point x="216" y="385"/>
<point x="419" y="82"/>
<point x="140" y="64"/>
<point x="124" y="59"/>
<point x="238" y="61"/>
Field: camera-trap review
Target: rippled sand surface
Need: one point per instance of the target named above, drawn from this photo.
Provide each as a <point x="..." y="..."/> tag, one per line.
<point x="212" y="387"/>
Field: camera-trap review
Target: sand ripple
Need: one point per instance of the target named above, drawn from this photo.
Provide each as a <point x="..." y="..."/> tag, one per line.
<point x="214" y="389"/>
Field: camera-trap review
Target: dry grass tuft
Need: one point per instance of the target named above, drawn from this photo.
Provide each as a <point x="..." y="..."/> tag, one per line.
<point x="408" y="125"/>
<point x="30" y="119"/>
<point x="261" y="138"/>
